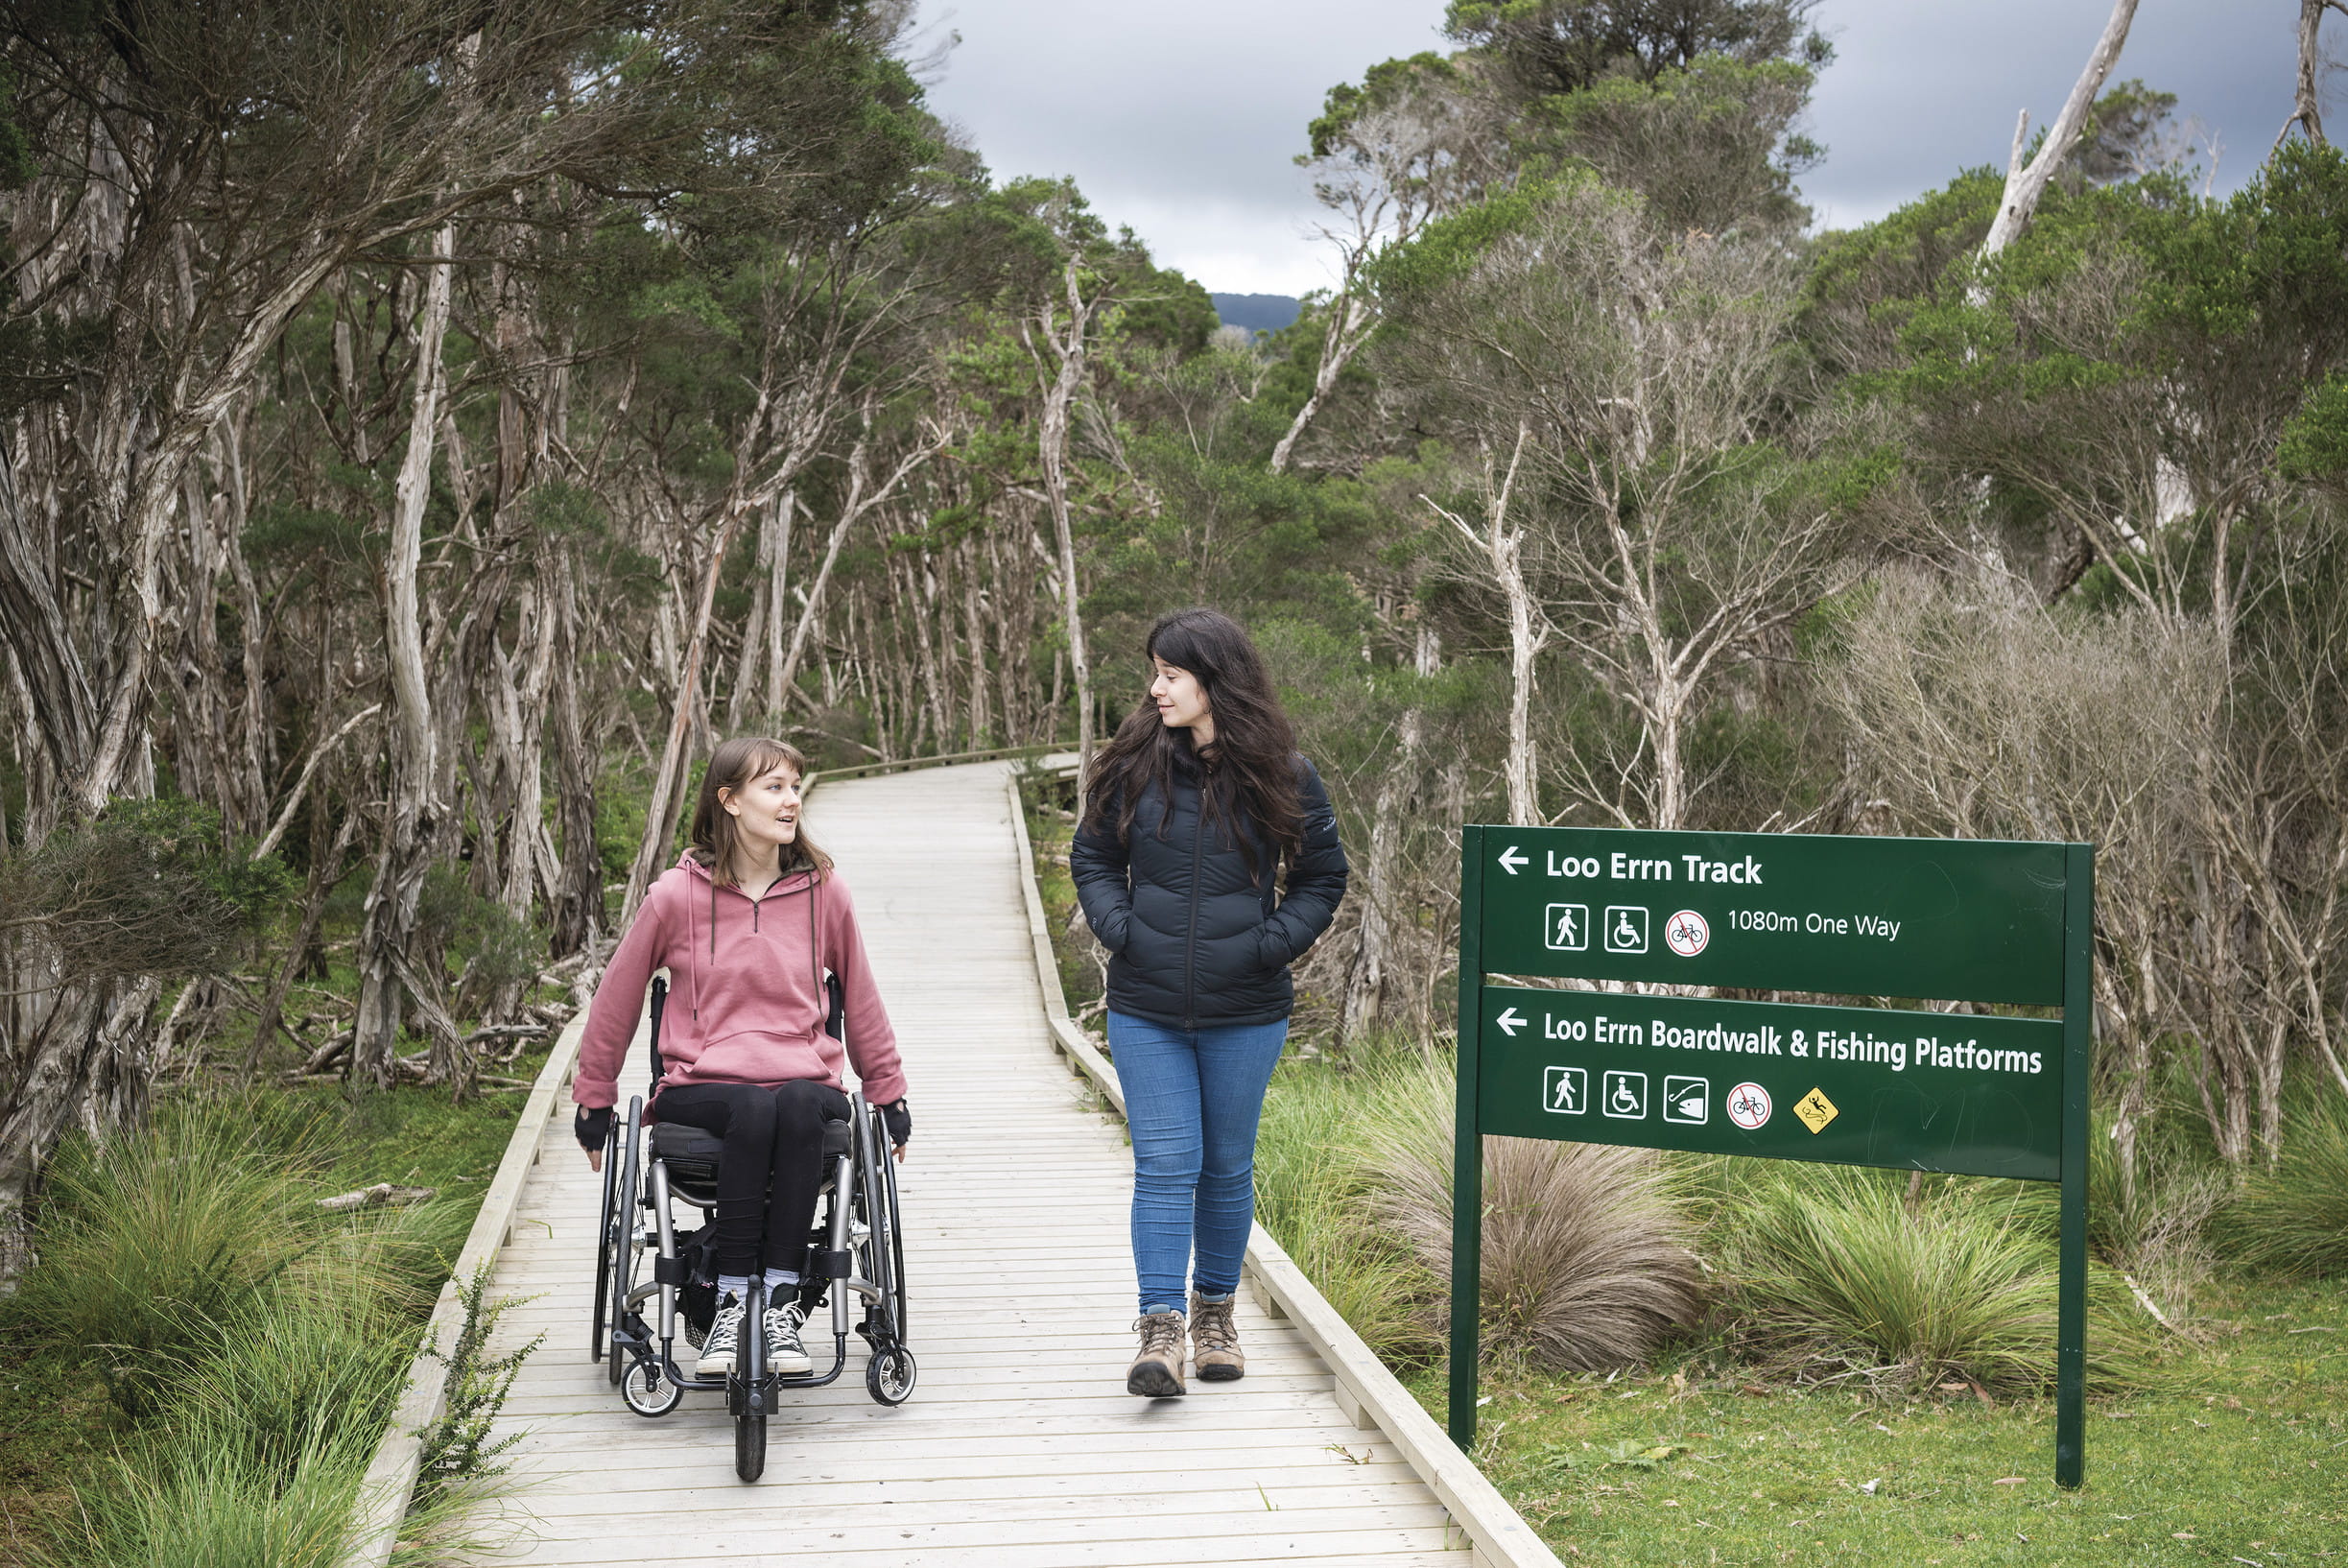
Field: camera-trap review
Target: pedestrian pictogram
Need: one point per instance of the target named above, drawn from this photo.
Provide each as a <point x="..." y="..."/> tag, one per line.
<point x="1626" y="928"/>
<point x="1816" y="1110"/>
<point x="1687" y="1099"/>
<point x="1568" y="928"/>
<point x="1566" y="1090"/>
<point x="1686" y="933"/>
<point x="1625" y="1095"/>
<point x="1748" y="1106"/>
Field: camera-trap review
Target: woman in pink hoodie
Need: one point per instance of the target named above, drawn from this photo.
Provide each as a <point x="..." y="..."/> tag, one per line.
<point x="746" y="922"/>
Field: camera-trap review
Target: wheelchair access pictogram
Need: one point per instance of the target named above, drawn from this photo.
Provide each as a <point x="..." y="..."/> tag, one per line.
<point x="1623" y="1095"/>
<point x="1626" y="928"/>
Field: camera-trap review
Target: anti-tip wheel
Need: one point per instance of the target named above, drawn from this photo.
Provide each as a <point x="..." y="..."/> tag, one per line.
<point x="890" y="1374"/>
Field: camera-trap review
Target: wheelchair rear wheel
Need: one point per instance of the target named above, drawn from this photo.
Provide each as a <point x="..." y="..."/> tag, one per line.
<point x="599" y="1346"/>
<point x="620" y="1248"/>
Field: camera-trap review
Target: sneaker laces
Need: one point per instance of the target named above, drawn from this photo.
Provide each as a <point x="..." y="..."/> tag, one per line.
<point x="724" y="1331"/>
<point x="1161" y="1333"/>
<point x="783" y="1325"/>
<point x="1211" y="1327"/>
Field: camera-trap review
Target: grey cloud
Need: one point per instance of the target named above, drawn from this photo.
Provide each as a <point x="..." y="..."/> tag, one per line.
<point x="1182" y="121"/>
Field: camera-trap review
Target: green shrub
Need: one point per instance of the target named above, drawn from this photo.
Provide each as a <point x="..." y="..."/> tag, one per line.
<point x="1832" y="1265"/>
<point x="2293" y="1218"/>
<point x="1308" y="1198"/>
<point x="203" y="1501"/>
<point x="151" y="1244"/>
<point x="1585" y="1264"/>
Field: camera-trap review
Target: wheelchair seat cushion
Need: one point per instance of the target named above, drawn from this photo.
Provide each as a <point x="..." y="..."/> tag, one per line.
<point x="692" y="1154"/>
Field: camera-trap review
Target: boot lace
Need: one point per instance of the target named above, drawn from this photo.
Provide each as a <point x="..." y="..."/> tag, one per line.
<point x="1161" y="1333"/>
<point x="1211" y="1326"/>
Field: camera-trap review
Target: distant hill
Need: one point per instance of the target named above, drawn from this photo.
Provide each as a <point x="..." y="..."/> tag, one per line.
<point x="1256" y="312"/>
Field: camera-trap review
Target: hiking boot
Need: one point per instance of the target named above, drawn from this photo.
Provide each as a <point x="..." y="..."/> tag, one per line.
<point x="724" y="1343"/>
<point x="1214" y="1342"/>
<point x="785" y="1354"/>
<point x="1157" y="1373"/>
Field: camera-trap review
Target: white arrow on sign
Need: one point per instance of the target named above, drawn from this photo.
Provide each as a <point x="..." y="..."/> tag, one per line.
<point x="1511" y="858"/>
<point x="1511" y="1022"/>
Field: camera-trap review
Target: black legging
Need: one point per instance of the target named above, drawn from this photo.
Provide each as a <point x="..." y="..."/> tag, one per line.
<point x="773" y="1137"/>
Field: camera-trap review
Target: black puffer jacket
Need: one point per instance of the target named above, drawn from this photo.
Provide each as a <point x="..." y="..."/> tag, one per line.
<point x="1198" y="939"/>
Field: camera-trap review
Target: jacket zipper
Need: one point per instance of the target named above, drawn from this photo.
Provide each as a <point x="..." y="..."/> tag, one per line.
<point x="1190" y="950"/>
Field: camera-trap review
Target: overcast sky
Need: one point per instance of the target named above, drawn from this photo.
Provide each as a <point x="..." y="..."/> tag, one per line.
<point x="1182" y="121"/>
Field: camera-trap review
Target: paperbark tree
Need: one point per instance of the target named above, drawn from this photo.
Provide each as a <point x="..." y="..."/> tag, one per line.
<point x="1067" y="343"/>
<point x="2026" y="182"/>
<point x="413" y="817"/>
<point x="2307" y="95"/>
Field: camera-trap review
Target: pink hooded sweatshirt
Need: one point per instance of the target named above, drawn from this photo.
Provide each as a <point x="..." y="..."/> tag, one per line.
<point x="745" y="988"/>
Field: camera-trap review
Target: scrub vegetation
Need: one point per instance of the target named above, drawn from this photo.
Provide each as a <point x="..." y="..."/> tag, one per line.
<point x="204" y="1360"/>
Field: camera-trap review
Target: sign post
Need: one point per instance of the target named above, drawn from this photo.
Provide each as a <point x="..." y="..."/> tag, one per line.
<point x="1864" y="918"/>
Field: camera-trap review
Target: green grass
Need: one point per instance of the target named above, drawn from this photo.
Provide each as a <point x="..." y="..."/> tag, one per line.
<point x="62" y="1427"/>
<point x="2253" y="1464"/>
<point x="2294" y="1218"/>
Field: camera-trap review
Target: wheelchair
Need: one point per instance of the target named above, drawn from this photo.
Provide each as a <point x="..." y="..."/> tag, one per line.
<point x="654" y="1285"/>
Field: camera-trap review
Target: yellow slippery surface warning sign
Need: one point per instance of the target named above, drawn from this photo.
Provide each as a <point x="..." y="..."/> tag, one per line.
<point x="1816" y="1110"/>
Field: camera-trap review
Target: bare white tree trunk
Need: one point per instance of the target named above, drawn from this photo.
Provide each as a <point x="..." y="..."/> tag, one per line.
<point x="1068" y="345"/>
<point x="1503" y="545"/>
<point x="1349" y="324"/>
<point x="2025" y="184"/>
<point x="2307" y="106"/>
<point x="387" y="929"/>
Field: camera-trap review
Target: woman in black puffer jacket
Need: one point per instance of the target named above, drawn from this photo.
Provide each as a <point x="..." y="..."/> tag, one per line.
<point x="1191" y="811"/>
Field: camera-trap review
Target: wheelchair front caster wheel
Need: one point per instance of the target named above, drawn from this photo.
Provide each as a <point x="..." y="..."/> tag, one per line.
<point x="890" y="1376"/>
<point x="751" y="1439"/>
<point x="648" y="1391"/>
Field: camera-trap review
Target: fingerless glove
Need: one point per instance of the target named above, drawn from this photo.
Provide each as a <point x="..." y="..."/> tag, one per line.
<point x="592" y="1127"/>
<point x="899" y="1122"/>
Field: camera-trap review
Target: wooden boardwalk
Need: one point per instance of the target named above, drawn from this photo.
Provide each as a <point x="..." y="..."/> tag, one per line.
<point x="1021" y="1448"/>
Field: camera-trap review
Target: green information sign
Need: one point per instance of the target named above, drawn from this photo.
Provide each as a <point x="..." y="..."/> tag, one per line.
<point x="1635" y="1064"/>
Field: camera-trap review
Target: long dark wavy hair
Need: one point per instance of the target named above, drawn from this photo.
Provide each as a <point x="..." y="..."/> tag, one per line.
<point x="1249" y="772"/>
<point x="732" y="767"/>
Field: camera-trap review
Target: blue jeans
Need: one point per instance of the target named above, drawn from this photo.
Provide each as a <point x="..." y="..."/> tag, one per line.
<point x="1192" y="1098"/>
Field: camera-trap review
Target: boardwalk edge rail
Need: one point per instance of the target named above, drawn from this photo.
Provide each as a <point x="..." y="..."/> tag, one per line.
<point x="390" y="1479"/>
<point x="1371" y="1397"/>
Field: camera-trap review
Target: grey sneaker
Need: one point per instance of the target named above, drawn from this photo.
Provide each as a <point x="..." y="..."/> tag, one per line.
<point x="1157" y="1373"/>
<point x="724" y="1342"/>
<point x="1213" y="1340"/>
<point x="785" y="1354"/>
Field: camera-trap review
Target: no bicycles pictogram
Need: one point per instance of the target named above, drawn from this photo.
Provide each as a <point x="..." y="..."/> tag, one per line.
<point x="1686" y="933"/>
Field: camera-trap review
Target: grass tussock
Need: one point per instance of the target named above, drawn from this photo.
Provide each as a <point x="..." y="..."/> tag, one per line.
<point x="254" y="1346"/>
<point x="1832" y="1268"/>
<point x="2292" y="1219"/>
<point x="152" y="1244"/>
<point x="1585" y="1257"/>
<point x="1310" y="1196"/>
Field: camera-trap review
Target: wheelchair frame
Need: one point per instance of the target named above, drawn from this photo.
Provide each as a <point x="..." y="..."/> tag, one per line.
<point x="858" y="1249"/>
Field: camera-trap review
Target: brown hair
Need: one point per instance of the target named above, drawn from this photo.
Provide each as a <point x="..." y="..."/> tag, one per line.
<point x="733" y="765"/>
<point x="1252" y="765"/>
